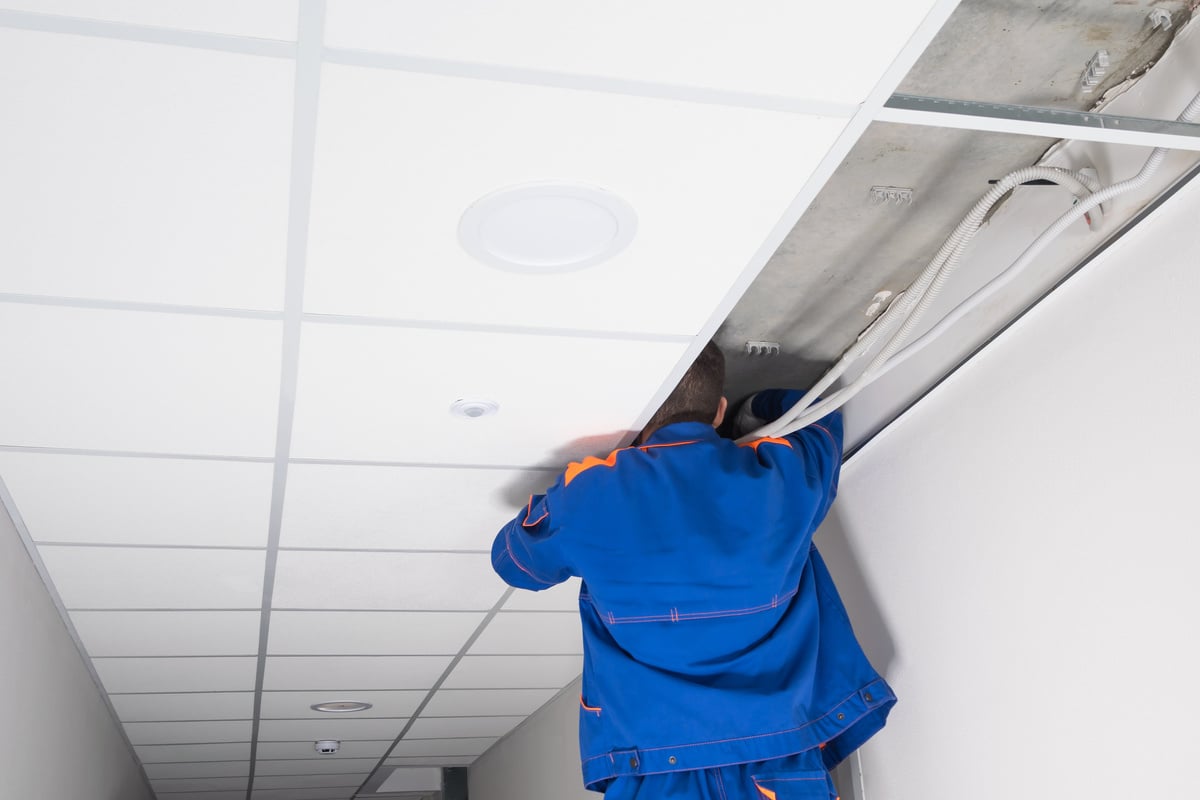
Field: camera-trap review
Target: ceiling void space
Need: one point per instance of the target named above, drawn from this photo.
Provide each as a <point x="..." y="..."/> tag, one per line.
<point x="813" y="294"/>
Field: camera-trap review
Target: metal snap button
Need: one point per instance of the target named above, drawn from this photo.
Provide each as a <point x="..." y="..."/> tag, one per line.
<point x="671" y="760"/>
<point x="841" y="716"/>
<point x="867" y="697"/>
<point x="633" y="762"/>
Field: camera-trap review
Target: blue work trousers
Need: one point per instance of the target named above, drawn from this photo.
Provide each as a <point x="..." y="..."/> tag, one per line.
<point x="797" y="777"/>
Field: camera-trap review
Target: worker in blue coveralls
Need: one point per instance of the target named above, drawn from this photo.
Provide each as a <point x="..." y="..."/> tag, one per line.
<point x="719" y="662"/>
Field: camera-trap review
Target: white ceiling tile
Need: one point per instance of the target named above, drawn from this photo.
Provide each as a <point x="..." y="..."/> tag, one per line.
<point x="200" y="769"/>
<point x="351" y="780"/>
<point x="411" y="748"/>
<point x="354" y="507"/>
<point x="514" y="672"/>
<point x="294" y="705"/>
<point x="263" y="19"/>
<point x="463" y="727"/>
<point x="302" y="794"/>
<point x="327" y="633"/>
<point x="301" y="758"/>
<point x="172" y="675"/>
<point x="140" y="500"/>
<point x="400" y="581"/>
<point x="331" y="727"/>
<point x="236" y="795"/>
<point x="355" y="398"/>
<point x="486" y="702"/>
<point x="510" y="632"/>
<point x="170" y="785"/>
<point x="401" y="156"/>
<point x="764" y="46"/>
<point x="563" y="597"/>
<point x="339" y="674"/>
<point x="166" y="707"/>
<point x="123" y="577"/>
<point x="157" y="174"/>
<point x="440" y="761"/>
<point x="168" y="633"/>
<point x="188" y="732"/>
<point x="413" y="779"/>
<point x="141" y="382"/>
<point x="173" y="753"/>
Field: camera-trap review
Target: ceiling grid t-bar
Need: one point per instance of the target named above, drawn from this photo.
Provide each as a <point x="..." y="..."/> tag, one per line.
<point x="1054" y="123"/>
<point x="438" y="685"/>
<point x="309" y="38"/>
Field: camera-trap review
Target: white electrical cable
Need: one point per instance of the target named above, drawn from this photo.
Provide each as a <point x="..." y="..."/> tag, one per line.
<point x="930" y="281"/>
<point x="1157" y="156"/>
<point x="917" y="299"/>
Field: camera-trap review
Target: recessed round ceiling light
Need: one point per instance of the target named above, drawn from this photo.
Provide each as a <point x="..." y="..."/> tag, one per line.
<point x="340" y="707"/>
<point x="473" y="409"/>
<point x="544" y="228"/>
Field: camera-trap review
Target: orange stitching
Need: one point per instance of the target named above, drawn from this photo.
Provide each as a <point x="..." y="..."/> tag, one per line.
<point x="526" y="523"/>
<point x="822" y="779"/>
<point x="808" y="724"/>
<point x="645" y="447"/>
<point x="596" y="710"/>
<point x="513" y="558"/>
<point x="721" y="785"/>
<point x="675" y="616"/>
<point x="828" y="433"/>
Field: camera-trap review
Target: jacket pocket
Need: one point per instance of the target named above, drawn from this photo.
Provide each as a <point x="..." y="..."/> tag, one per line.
<point x="806" y="785"/>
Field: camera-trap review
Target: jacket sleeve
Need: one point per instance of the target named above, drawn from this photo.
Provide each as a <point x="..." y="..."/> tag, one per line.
<point x="819" y="443"/>
<point x="529" y="552"/>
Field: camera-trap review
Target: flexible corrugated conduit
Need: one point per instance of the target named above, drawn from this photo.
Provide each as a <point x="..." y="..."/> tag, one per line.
<point x="908" y="308"/>
<point x="920" y="293"/>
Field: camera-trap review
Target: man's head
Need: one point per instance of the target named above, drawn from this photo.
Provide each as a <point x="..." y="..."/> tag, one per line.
<point x="698" y="397"/>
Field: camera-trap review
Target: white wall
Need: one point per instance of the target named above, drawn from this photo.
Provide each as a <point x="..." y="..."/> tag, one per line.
<point x="1020" y="549"/>
<point x="537" y="761"/>
<point x="57" y="739"/>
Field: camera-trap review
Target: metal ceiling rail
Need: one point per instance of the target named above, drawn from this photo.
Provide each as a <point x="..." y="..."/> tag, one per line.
<point x="1055" y="123"/>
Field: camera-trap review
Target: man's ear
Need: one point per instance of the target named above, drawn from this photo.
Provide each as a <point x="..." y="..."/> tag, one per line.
<point x="721" y="408"/>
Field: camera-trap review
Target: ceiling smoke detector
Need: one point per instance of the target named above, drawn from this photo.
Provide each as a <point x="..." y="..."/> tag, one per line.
<point x="326" y="746"/>
<point x="340" y="707"/>
<point x="546" y="228"/>
<point x="474" y="409"/>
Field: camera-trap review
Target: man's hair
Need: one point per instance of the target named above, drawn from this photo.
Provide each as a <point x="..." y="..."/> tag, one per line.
<point x="698" y="395"/>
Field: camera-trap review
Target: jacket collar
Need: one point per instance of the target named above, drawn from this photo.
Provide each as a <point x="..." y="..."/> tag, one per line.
<point x="682" y="432"/>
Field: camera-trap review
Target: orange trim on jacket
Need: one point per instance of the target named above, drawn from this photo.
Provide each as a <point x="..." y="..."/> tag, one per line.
<point x="766" y="440"/>
<point x="576" y="467"/>
<point x="767" y="793"/>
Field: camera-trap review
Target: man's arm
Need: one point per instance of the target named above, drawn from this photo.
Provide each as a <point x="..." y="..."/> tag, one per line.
<point x="529" y="551"/>
<point x="819" y="443"/>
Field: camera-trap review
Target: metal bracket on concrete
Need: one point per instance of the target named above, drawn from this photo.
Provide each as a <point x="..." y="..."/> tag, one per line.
<point x="1054" y="123"/>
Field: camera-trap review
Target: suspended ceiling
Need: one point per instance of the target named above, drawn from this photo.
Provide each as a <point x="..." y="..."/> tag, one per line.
<point x="238" y="314"/>
<point x="812" y="295"/>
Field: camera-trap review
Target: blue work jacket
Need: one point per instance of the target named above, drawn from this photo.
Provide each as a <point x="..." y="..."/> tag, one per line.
<point x="713" y="633"/>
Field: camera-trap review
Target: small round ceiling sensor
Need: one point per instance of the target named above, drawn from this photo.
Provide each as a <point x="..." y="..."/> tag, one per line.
<point x="340" y="707"/>
<point x="545" y="228"/>
<point x="473" y="409"/>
